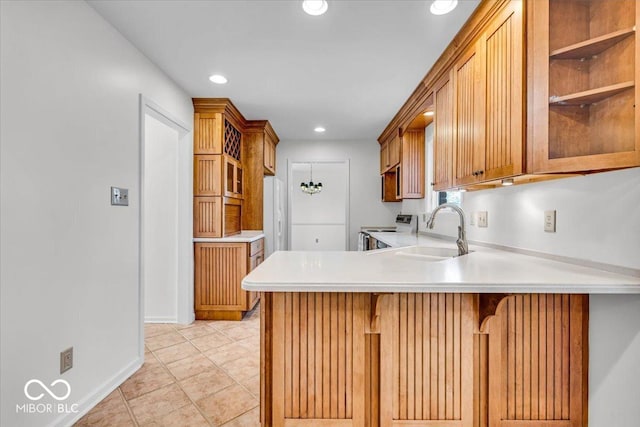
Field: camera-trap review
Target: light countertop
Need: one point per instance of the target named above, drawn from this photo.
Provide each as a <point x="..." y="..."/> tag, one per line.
<point x="484" y="270"/>
<point x="246" y="236"/>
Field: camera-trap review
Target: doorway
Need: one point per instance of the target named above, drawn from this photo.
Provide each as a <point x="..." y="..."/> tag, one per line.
<point x="166" y="258"/>
<point x="319" y="222"/>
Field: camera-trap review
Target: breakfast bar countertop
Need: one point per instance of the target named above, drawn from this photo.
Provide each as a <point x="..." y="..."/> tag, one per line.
<point x="395" y="269"/>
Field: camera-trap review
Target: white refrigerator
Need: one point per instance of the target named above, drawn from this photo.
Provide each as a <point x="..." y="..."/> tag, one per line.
<point x="274" y="215"/>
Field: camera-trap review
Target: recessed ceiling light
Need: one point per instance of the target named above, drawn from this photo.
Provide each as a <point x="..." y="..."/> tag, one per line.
<point x="315" y="7"/>
<point x="429" y="113"/>
<point x="218" y="79"/>
<point x="319" y="129"/>
<point x="441" y="7"/>
<point x="506" y="182"/>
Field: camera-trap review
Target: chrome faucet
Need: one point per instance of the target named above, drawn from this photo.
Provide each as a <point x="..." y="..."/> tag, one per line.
<point x="463" y="247"/>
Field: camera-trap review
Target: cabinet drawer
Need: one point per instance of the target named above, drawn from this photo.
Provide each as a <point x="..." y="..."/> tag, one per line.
<point x="257" y="246"/>
<point x="256" y="260"/>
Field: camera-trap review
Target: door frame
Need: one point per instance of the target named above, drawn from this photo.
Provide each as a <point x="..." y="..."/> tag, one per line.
<point x="290" y="186"/>
<point x="185" y="310"/>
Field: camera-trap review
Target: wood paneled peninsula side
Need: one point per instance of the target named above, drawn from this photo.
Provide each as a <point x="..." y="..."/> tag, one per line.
<point x="387" y="338"/>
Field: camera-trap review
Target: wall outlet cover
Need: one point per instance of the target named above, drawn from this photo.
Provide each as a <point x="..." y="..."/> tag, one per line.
<point x="473" y="220"/>
<point x="483" y="221"/>
<point x="66" y="360"/>
<point x="550" y="221"/>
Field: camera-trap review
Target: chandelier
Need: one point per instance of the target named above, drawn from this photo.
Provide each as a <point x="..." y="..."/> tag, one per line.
<point x="310" y="187"/>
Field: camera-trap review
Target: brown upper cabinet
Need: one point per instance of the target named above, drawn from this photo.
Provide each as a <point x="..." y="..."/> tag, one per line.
<point x="231" y="155"/>
<point x="259" y="154"/>
<point x="584" y="68"/>
<point x="269" y="156"/>
<point x="570" y="110"/>
<point x="443" y="133"/>
<point x="411" y="169"/>
<point x="488" y="80"/>
<point x="390" y="154"/>
<point x="402" y="166"/>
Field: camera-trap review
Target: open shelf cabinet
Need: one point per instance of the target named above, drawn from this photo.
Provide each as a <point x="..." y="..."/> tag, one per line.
<point x="585" y="56"/>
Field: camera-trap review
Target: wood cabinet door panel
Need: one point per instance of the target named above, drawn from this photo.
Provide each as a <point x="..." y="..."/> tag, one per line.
<point x="537" y="362"/>
<point x="504" y="135"/>
<point x="207" y="216"/>
<point x="426" y="360"/>
<point x="220" y="267"/>
<point x="327" y="329"/>
<point x="207" y="133"/>
<point x="207" y="175"/>
<point x="444" y="134"/>
<point x="384" y="158"/>
<point x="412" y="170"/>
<point x="470" y="114"/>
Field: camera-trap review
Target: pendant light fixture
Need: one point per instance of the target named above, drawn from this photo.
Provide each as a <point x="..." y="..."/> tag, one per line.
<point x="310" y="187"/>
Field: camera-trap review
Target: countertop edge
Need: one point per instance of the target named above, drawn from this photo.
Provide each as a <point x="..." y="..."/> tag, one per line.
<point x="237" y="238"/>
<point x="476" y="288"/>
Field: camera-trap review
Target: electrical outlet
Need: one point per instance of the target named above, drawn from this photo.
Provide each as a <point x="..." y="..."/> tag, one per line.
<point x="66" y="360"/>
<point x="482" y="219"/>
<point x="550" y="221"/>
<point x="472" y="220"/>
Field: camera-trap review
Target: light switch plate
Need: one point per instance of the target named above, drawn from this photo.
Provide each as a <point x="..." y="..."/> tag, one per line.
<point x="550" y="221"/>
<point x="472" y="220"/>
<point x="483" y="221"/>
<point x="119" y="196"/>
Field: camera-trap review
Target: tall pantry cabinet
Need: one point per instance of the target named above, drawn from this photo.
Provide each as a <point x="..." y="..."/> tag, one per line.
<point x="230" y="157"/>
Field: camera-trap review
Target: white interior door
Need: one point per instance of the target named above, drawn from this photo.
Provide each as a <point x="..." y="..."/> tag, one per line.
<point x="319" y="222"/>
<point x="160" y="221"/>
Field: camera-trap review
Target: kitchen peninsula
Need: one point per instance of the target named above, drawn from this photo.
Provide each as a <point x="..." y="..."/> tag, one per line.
<point x="402" y="336"/>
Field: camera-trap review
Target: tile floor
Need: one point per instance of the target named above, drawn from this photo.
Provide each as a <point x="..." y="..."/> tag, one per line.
<point x="203" y="374"/>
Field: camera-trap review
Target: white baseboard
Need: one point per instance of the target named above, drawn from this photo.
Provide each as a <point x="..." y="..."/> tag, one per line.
<point x="160" y="319"/>
<point x="87" y="403"/>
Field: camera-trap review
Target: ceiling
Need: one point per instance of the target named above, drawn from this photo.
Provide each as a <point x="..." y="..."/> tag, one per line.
<point x="349" y="70"/>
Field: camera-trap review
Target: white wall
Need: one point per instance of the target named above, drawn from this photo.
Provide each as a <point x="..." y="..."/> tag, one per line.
<point x="69" y="113"/>
<point x="365" y="205"/>
<point x="160" y="222"/>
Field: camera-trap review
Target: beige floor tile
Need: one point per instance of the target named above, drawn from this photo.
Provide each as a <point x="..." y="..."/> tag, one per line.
<point x="196" y="331"/>
<point x="146" y="380"/>
<point x="239" y="332"/>
<point x="190" y="366"/>
<point x="157" y="403"/>
<point x="227" y="353"/>
<point x="193" y="324"/>
<point x="187" y="416"/>
<point x="243" y="368"/>
<point x="248" y="419"/>
<point x="165" y="340"/>
<point x="253" y="385"/>
<point x="227" y="404"/>
<point x="252" y="343"/>
<point x="153" y="329"/>
<point x="210" y="341"/>
<point x="221" y="325"/>
<point x="111" y="411"/>
<point x="206" y="383"/>
<point x="176" y="352"/>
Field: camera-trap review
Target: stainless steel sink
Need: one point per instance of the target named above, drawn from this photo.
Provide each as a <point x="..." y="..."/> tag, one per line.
<point x="427" y="253"/>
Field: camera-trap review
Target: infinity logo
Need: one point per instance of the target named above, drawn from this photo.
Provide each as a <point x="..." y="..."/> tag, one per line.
<point x="52" y="394"/>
